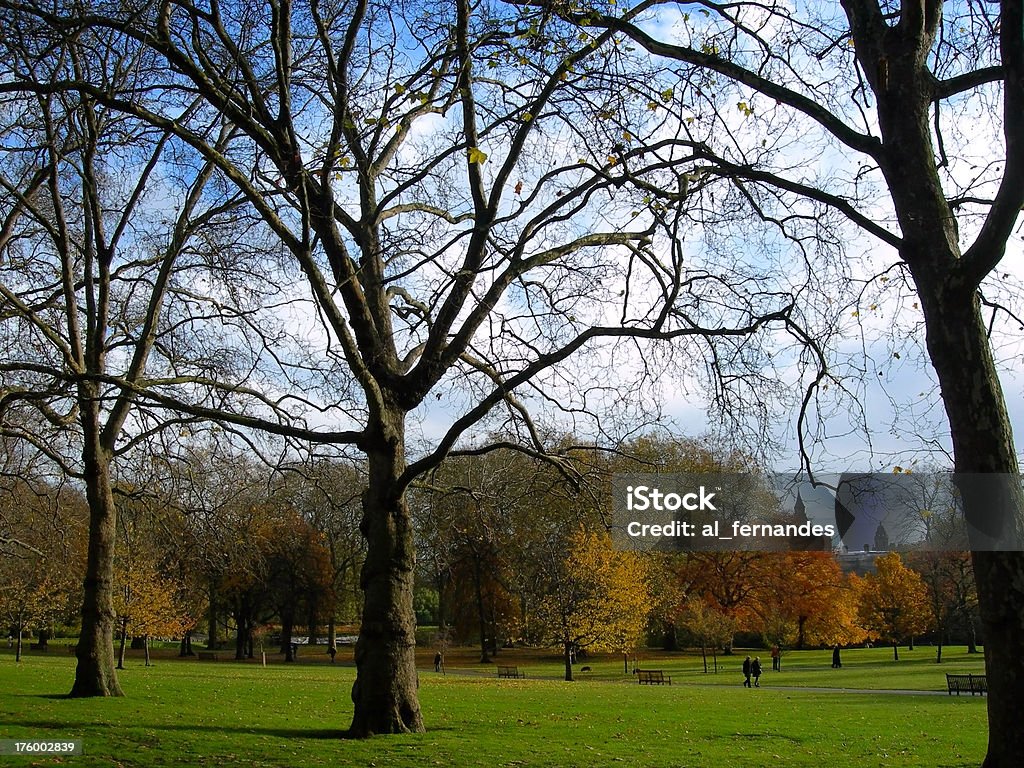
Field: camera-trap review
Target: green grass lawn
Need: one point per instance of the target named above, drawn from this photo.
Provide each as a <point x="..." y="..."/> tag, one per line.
<point x="184" y="713"/>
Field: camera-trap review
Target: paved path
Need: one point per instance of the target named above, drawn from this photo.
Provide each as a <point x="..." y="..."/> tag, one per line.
<point x="582" y="676"/>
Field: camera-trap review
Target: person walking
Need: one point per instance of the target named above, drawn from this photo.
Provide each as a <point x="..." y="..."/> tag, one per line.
<point x="837" y="662"/>
<point x="776" y="658"/>
<point x="747" y="669"/>
<point x="755" y="670"/>
<point x="437" y="661"/>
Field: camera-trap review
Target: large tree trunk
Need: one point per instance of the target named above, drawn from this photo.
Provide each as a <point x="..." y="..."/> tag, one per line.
<point x="958" y="343"/>
<point x="384" y="692"/>
<point x="567" y="658"/>
<point x="95" y="675"/>
<point x="983" y="445"/>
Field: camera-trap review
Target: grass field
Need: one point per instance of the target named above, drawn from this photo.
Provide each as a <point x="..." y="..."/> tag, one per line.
<point x="184" y="713"/>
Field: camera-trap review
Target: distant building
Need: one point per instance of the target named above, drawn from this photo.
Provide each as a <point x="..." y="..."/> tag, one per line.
<point x="881" y="539"/>
<point x="806" y="543"/>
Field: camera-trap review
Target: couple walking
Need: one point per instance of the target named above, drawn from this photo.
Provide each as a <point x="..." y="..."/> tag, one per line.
<point x="752" y="669"/>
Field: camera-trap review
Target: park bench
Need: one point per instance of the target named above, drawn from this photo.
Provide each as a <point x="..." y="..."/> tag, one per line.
<point x="652" y="677"/>
<point x="973" y="683"/>
<point x="38" y="647"/>
<point x="510" y="672"/>
<point x="209" y="656"/>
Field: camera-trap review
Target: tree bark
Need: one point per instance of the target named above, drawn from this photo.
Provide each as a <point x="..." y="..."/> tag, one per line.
<point x="983" y="445"/>
<point x="956" y="336"/>
<point x="385" y="690"/>
<point x="567" y="658"/>
<point x="95" y="674"/>
<point x="123" y="643"/>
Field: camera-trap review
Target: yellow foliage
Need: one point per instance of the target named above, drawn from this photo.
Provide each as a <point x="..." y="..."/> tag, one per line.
<point x="892" y="602"/>
<point x="145" y="602"/>
<point x="602" y="598"/>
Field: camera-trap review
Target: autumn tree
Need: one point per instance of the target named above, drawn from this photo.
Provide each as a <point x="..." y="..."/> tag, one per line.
<point x="711" y="626"/>
<point x="728" y="581"/>
<point x="41" y="557"/>
<point x="899" y="96"/>
<point x="725" y="580"/>
<point x="145" y="603"/>
<point x="892" y="602"/>
<point x="326" y="495"/>
<point x="484" y="506"/>
<point x="596" y="597"/>
<point x="804" y="598"/>
<point x="299" y="575"/>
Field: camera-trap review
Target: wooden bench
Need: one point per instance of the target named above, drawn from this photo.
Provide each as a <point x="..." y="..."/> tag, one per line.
<point x="38" y="647"/>
<point x="510" y="672"/>
<point x="973" y="683"/>
<point x="652" y="677"/>
<point x="209" y="656"/>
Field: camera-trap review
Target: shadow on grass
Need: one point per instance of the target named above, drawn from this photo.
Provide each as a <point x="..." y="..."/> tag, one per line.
<point x="289" y="733"/>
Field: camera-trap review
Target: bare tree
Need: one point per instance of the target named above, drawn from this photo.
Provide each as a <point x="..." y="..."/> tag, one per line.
<point x="467" y="193"/>
<point x="97" y="233"/>
<point x="905" y="90"/>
